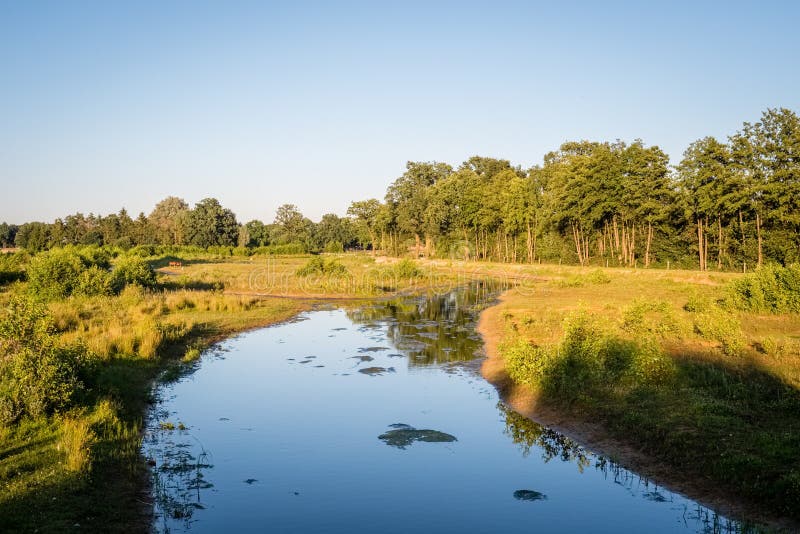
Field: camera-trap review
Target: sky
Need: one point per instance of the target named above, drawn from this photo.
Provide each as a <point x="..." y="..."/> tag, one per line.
<point x="105" y="105"/>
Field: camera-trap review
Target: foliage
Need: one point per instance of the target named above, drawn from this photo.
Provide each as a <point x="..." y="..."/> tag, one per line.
<point x="12" y="267"/>
<point x="321" y="266"/>
<point x="209" y="224"/>
<point x="770" y="289"/>
<point x="55" y="274"/>
<point x="596" y="277"/>
<point x="406" y="268"/>
<point x="38" y="376"/>
<point x="132" y="271"/>
<point x="589" y="361"/>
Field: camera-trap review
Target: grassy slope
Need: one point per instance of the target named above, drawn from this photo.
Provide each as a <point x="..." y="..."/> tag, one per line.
<point x="728" y="418"/>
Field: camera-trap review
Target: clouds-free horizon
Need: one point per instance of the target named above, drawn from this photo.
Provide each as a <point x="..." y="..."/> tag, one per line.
<point x="107" y="106"/>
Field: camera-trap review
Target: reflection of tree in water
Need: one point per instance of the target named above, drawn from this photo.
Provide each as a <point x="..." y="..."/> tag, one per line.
<point x="178" y="478"/>
<point x="433" y="329"/>
<point x="531" y="436"/>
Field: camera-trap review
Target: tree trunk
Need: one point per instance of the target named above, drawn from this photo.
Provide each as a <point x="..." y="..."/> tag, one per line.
<point x="529" y="243"/>
<point x="649" y="241"/>
<point x="578" y="242"/>
<point x="719" y="243"/>
<point x="758" y="231"/>
<point x="700" y="242"/>
<point x="418" y="244"/>
<point x="428" y="246"/>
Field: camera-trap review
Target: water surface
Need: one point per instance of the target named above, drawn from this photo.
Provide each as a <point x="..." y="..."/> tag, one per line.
<point x="375" y="419"/>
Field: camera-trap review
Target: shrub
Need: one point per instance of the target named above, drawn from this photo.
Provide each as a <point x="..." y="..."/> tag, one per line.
<point x="649" y="317"/>
<point x="589" y="360"/>
<point x="132" y="271"/>
<point x="37" y="376"/>
<point x="407" y="268"/>
<point x="54" y="274"/>
<point x="320" y="266"/>
<point x="12" y="267"/>
<point x="334" y="247"/>
<point x="94" y="281"/>
<point x="717" y="325"/>
<point x="771" y="289"/>
<point x="596" y="277"/>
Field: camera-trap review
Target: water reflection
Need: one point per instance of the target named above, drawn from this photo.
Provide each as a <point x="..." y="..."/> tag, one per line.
<point x="178" y="474"/>
<point x="433" y="329"/>
<point x="533" y="437"/>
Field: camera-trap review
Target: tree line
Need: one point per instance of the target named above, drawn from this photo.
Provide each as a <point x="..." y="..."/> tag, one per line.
<point x="728" y="204"/>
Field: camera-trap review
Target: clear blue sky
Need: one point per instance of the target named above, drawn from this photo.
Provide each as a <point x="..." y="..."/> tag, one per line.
<point x="105" y="105"/>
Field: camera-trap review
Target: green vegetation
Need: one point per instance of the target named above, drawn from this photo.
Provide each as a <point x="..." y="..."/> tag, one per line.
<point x="77" y="360"/>
<point x="771" y="289"/>
<point x="726" y="206"/>
<point x="683" y="374"/>
<point x="320" y="266"/>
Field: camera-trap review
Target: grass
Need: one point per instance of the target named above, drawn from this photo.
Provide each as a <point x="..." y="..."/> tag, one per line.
<point x="84" y="467"/>
<point x="668" y="366"/>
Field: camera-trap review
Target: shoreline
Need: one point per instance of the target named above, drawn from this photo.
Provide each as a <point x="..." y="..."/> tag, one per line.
<point x="594" y="437"/>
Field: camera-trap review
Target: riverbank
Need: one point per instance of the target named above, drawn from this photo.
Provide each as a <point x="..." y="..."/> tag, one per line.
<point x="536" y="313"/>
<point x="83" y="466"/>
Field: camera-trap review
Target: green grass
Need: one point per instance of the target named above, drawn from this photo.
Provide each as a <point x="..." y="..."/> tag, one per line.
<point x="669" y="367"/>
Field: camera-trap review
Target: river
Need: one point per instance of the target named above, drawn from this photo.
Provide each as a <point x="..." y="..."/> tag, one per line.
<point x="374" y="418"/>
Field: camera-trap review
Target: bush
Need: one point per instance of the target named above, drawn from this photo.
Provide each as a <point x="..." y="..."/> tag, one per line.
<point x="407" y="268"/>
<point x="771" y="289"/>
<point x="37" y="376"/>
<point x="132" y="271"/>
<point x="55" y="274"/>
<point x="12" y="267"/>
<point x="320" y="266"/>
<point x="334" y="247"/>
<point x="725" y="328"/>
<point x="589" y="361"/>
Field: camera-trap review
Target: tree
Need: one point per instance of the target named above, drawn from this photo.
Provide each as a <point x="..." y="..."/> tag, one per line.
<point x="8" y="232"/>
<point x="209" y="224"/>
<point x="257" y="234"/>
<point x="33" y="236"/>
<point x="166" y="220"/>
<point x="767" y="155"/>
<point x="409" y="197"/>
<point x="291" y="226"/>
<point x="365" y="213"/>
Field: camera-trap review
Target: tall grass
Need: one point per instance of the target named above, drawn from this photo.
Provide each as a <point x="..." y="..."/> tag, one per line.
<point x="76" y="444"/>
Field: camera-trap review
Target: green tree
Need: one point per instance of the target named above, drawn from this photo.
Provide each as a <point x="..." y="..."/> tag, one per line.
<point x="33" y="236"/>
<point x="209" y="224"/>
<point x="167" y="220"/>
<point x="409" y="196"/>
<point x="365" y="214"/>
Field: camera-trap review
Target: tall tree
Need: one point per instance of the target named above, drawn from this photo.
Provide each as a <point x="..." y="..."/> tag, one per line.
<point x="365" y="214"/>
<point x="409" y="196"/>
<point x="209" y="224"/>
<point x="166" y="220"/>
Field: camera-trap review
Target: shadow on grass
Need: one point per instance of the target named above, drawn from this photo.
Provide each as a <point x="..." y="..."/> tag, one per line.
<point x="728" y="421"/>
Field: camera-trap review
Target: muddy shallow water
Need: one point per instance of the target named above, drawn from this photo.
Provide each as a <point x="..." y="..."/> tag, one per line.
<point x="376" y="419"/>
